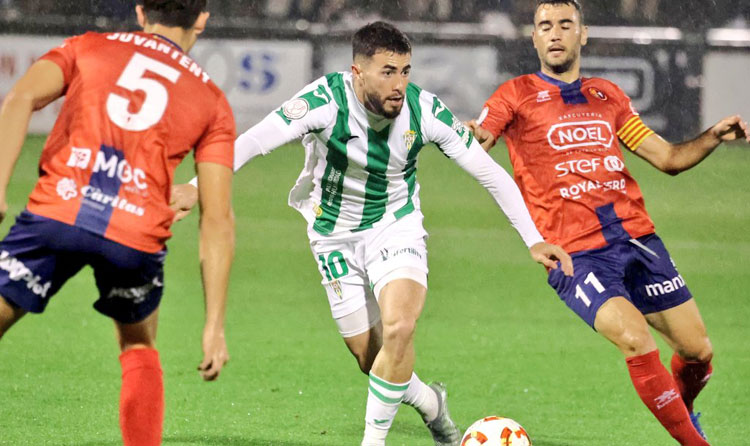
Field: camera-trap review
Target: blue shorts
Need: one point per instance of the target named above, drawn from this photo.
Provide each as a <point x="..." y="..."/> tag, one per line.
<point x="641" y="271"/>
<point x="40" y="254"/>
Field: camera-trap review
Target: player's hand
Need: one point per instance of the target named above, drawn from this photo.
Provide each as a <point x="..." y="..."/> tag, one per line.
<point x="483" y="136"/>
<point x="730" y="129"/>
<point x="548" y="255"/>
<point x="215" y="353"/>
<point x="182" y="200"/>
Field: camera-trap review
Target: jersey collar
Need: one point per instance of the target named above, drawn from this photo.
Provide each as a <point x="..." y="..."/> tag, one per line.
<point x="169" y="41"/>
<point x="570" y="92"/>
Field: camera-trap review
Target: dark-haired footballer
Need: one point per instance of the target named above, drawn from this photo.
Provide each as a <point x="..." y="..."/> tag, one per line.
<point x="135" y="105"/>
<point x="362" y="131"/>
<point x="563" y="133"/>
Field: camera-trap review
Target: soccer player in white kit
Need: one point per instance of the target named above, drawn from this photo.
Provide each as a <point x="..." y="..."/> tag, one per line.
<point x="362" y="131"/>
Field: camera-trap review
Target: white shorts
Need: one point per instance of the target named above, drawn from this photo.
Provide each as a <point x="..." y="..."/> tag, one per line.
<point x="354" y="264"/>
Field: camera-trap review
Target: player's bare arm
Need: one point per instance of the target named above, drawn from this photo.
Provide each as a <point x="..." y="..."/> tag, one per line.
<point x="42" y="84"/>
<point x="676" y="158"/>
<point x="216" y="252"/>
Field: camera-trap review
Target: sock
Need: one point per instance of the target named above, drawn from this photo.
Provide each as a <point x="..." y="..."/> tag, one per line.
<point x="141" y="398"/>
<point x="383" y="399"/>
<point x="421" y="397"/>
<point x="659" y="393"/>
<point x="690" y="377"/>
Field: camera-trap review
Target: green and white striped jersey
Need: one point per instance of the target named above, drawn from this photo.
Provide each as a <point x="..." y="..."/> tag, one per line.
<point x="360" y="168"/>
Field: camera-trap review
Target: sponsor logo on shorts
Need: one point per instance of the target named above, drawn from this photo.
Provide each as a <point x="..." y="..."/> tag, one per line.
<point x="665" y="398"/>
<point x="18" y="271"/>
<point x="295" y="109"/>
<point x="385" y="254"/>
<point x="98" y="199"/>
<point x="136" y="294"/>
<point x="581" y="135"/>
<point x="666" y="287"/>
<point x="67" y="188"/>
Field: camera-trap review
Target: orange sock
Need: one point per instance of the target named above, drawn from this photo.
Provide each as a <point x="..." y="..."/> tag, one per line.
<point x="141" y="398"/>
<point x="691" y="378"/>
<point x="660" y="394"/>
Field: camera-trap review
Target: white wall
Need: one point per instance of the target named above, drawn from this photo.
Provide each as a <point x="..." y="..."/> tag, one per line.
<point x="726" y="86"/>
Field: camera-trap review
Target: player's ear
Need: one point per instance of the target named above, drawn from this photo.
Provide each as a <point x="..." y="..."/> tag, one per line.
<point x="584" y="35"/>
<point x="200" y="22"/>
<point x="140" y="16"/>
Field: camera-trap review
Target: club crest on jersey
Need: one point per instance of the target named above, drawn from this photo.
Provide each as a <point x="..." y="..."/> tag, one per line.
<point x="295" y="109"/>
<point x="543" y="96"/>
<point x="593" y="91"/>
<point x="410" y="136"/>
<point x="317" y="210"/>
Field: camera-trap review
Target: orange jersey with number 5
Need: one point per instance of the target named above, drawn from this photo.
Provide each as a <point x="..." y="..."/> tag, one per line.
<point x="135" y="106"/>
<point x="564" y="144"/>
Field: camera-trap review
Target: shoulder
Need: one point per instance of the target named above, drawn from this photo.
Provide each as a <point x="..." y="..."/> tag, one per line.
<point x="513" y="89"/>
<point x="607" y="87"/>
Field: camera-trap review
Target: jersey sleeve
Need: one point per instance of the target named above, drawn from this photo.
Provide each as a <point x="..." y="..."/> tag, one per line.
<point x="309" y="110"/>
<point x="216" y="145"/>
<point x="500" y="109"/>
<point x="442" y="128"/>
<point x="64" y="57"/>
<point x="630" y="128"/>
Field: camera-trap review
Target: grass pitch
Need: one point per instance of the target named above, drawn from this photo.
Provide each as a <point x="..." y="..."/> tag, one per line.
<point x="492" y="329"/>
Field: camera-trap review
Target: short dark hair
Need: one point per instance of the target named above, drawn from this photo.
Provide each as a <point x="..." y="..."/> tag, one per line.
<point x="182" y="13"/>
<point x="573" y="3"/>
<point x="379" y="36"/>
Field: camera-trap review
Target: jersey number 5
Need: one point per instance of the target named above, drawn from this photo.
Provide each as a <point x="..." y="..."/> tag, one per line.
<point x="133" y="79"/>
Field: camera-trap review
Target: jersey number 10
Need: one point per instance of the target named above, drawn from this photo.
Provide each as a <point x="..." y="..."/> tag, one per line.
<point x="155" y="102"/>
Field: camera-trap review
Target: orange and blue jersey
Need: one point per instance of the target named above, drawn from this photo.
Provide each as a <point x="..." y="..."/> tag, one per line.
<point x="135" y="106"/>
<point x="564" y="145"/>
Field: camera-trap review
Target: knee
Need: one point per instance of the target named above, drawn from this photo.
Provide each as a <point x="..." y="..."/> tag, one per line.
<point x="399" y="331"/>
<point x="633" y="341"/>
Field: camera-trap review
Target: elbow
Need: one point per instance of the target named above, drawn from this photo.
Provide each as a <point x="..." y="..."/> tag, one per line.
<point x="17" y="99"/>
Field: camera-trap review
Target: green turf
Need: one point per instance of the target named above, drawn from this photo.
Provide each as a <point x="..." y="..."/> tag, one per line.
<point x="492" y="329"/>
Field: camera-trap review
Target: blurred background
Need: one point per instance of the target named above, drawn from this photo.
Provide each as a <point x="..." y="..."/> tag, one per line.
<point x="685" y="64"/>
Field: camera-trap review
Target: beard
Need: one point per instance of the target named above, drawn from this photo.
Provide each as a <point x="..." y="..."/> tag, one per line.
<point x="376" y="105"/>
<point x="562" y="67"/>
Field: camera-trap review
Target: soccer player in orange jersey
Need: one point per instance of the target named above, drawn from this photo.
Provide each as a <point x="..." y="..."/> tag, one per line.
<point x="563" y="133"/>
<point x="135" y="105"/>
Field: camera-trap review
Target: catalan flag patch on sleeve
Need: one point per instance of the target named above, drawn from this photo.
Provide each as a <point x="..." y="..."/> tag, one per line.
<point x="634" y="132"/>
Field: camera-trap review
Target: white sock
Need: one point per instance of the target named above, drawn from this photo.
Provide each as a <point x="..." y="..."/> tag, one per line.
<point x="421" y="397"/>
<point x="383" y="399"/>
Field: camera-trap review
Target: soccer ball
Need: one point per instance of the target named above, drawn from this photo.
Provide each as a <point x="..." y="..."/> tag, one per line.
<point x="496" y="431"/>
